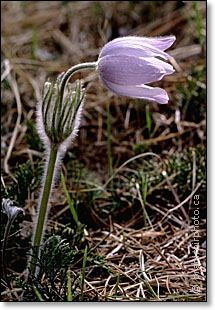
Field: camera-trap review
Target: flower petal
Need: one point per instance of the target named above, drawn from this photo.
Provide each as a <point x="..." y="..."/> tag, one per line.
<point x="137" y="46"/>
<point x="129" y="70"/>
<point x="139" y="91"/>
<point x="162" y="43"/>
<point x="166" y="67"/>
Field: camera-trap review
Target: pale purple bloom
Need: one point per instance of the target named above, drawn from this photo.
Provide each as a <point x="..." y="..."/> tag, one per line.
<point x="126" y="64"/>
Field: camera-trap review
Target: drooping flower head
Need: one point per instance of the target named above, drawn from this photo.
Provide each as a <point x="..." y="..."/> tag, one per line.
<point x="126" y="64"/>
<point x="11" y="210"/>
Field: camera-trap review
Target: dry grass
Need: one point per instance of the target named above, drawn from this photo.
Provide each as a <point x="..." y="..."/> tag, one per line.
<point x="155" y="261"/>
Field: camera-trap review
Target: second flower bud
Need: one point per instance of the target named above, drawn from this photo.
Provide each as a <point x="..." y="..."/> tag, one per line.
<point x="59" y="113"/>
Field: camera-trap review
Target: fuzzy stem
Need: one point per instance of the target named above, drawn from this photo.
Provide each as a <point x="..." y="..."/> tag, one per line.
<point x="69" y="73"/>
<point x="43" y="207"/>
<point x="64" y="80"/>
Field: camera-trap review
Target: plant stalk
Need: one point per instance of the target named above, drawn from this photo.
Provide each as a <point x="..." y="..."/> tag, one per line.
<point x="4" y="247"/>
<point x="43" y="207"/>
<point x="51" y="166"/>
<point x="69" y="73"/>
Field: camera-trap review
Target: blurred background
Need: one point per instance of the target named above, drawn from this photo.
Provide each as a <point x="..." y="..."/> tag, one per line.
<point x="41" y="39"/>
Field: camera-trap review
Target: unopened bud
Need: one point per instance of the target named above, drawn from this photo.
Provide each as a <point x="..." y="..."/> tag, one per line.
<point x="11" y="210"/>
<point x="59" y="112"/>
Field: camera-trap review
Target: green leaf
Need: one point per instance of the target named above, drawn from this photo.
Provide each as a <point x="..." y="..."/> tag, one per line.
<point x="69" y="200"/>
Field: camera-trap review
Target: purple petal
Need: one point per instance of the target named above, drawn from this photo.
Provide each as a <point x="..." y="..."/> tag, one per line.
<point x="128" y="70"/>
<point x="139" y="91"/>
<point x="166" y="67"/>
<point x="137" y="46"/>
<point x="162" y="43"/>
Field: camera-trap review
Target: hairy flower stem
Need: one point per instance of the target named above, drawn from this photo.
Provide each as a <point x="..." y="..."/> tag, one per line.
<point x="69" y="73"/>
<point x="43" y="207"/>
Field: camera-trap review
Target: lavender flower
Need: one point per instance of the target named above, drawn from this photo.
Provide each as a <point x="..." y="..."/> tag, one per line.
<point x="126" y="64"/>
<point x="11" y="210"/>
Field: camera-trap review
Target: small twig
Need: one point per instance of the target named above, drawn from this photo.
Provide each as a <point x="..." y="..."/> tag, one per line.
<point x="142" y="266"/>
<point x="15" y="89"/>
<point x="158" y="250"/>
<point x="127" y="162"/>
<point x="143" y="206"/>
<point x="164" y="173"/>
<point x="183" y="202"/>
<point x="83" y="273"/>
